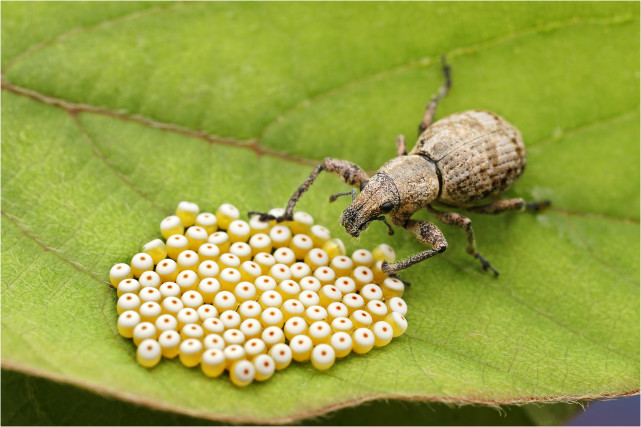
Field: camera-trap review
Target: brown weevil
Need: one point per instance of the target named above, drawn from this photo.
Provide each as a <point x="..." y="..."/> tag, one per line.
<point x="458" y="161"/>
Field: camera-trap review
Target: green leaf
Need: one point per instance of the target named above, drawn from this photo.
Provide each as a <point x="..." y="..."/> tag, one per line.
<point x="117" y="112"/>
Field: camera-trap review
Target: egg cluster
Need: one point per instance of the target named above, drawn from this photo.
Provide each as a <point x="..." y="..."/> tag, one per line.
<point x="250" y="297"/>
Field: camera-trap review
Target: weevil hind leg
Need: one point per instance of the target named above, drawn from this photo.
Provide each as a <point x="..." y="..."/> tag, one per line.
<point x="426" y="233"/>
<point x="430" y="109"/>
<point x="517" y="204"/>
<point x="401" y="147"/>
<point x="453" y="218"/>
<point x="349" y="172"/>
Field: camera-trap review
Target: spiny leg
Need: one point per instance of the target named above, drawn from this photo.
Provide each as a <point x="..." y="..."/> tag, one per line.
<point x="426" y="233"/>
<point x="349" y="172"/>
<point x="452" y="218"/>
<point x="430" y="110"/>
<point x="510" y="205"/>
<point x="401" y="148"/>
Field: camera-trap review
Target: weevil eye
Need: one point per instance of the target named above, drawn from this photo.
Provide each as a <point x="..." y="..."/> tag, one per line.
<point x="363" y="185"/>
<point x="386" y="207"/>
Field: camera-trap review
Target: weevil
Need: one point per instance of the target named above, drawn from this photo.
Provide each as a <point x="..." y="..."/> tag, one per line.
<point x="460" y="161"/>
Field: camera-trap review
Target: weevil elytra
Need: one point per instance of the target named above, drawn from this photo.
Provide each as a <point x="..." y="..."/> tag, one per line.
<point x="459" y="161"/>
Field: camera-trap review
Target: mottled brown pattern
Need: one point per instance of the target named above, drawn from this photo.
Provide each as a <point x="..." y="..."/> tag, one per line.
<point x="478" y="153"/>
<point x="415" y="180"/>
<point x="349" y="172"/>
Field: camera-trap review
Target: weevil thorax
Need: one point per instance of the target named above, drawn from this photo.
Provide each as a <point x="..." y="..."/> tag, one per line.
<point x="408" y="183"/>
<point x="416" y="180"/>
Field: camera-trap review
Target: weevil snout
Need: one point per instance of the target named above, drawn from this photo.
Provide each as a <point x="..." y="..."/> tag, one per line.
<point x="354" y="220"/>
<point x="377" y="197"/>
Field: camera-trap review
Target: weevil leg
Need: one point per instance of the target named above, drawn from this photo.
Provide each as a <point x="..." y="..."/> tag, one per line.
<point x="426" y="233"/>
<point x="453" y="218"/>
<point x="430" y="109"/>
<point x="349" y="172"/>
<point x="517" y="204"/>
<point x="401" y="147"/>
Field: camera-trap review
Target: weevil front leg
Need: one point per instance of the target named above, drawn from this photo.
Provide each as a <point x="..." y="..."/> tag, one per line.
<point x="453" y="218"/>
<point x="349" y="172"/>
<point x="426" y="233"/>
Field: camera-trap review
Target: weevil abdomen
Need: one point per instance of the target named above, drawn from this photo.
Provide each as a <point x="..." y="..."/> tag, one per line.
<point x="477" y="153"/>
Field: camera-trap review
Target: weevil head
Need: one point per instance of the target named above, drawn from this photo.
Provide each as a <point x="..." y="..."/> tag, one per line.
<point x="402" y="186"/>
<point x="378" y="196"/>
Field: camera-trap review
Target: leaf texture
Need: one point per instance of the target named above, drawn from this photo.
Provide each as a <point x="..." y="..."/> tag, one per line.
<point x="116" y="113"/>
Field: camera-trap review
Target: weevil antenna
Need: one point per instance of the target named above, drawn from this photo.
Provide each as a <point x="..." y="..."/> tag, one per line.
<point x="333" y="197"/>
<point x="390" y="230"/>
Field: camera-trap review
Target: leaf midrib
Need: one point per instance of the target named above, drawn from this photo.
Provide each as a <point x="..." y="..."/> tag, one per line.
<point x="254" y="143"/>
<point x="74" y="109"/>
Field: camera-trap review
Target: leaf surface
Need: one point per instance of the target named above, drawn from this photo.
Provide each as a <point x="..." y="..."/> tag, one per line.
<point x="121" y="111"/>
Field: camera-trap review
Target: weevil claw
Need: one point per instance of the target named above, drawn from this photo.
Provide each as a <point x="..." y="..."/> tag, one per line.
<point x="485" y="264"/>
<point x="268" y="217"/>
<point x="538" y="206"/>
<point x="263" y="216"/>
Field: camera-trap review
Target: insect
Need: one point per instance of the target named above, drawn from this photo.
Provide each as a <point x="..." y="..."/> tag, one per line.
<point x="459" y="161"/>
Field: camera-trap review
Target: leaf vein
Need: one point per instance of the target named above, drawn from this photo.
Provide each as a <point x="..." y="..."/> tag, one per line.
<point x="100" y="155"/>
<point x="560" y="136"/>
<point x="253" y="145"/>
<point x="31" y="50"/>
<point x="430" y="60"/>
<point x="54" y="251"/>
<point x="476" y="361"/>
<point x="524" y="304"/>
<point x="72" y="107"/>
